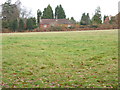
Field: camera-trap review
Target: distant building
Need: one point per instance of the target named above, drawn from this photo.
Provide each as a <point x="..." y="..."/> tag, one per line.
<point x="107" y="20"/>
<point x="46" y="23"/>
<point x="110" y="20"/>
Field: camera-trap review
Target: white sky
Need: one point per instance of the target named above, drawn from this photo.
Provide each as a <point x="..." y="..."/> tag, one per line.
<point x="73" y="8"/>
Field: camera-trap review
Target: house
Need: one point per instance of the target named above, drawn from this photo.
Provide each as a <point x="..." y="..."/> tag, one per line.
<point x="110" y="20"/>
<point x="106" y="21"/>
<point x="46" y="23"/>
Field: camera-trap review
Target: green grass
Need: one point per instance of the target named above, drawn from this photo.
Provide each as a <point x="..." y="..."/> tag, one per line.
<point x="84" y="59"/>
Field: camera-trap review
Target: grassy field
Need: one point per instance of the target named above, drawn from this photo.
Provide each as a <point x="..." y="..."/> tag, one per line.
<point x="80" y="59"/>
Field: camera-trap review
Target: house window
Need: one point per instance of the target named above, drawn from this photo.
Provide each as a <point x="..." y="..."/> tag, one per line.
<point x="45" y="26"/>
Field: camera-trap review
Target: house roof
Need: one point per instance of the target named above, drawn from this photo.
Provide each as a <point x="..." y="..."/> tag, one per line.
<point x="56" y="21"/>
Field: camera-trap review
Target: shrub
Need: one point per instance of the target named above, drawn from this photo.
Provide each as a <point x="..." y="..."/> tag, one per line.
<point x="55" y="28"/>
<point x="93" y="26"/>
<point x="71" y="27"/>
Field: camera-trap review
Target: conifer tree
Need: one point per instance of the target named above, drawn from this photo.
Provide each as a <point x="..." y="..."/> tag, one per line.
<point x="59" y="12"/>
<point x="48" y="13"/>
<point x="14" y="25"/>
<point x="88" y="19"/>
<point x="72" y="19"/>
<point x="85" y="19"/>
<point x="39" y="13"/>
<point x="21" y="25"/>
<point x="31" y="23"/>
<point x="97" y="17"/>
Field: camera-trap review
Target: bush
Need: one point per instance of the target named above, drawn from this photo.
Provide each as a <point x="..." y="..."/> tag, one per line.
<point x="83" y="26"/>
<point x="71" y="27"/>
<point x="55" y="28"/>
<point x="93" y="26"/>
<point x="5" y="30"/>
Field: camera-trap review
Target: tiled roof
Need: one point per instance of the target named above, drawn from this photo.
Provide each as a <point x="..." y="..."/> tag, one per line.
<point x="56" y="21"/>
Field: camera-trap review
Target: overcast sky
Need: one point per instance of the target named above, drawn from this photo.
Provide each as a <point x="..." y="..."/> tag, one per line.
<point x="73" y="8"/>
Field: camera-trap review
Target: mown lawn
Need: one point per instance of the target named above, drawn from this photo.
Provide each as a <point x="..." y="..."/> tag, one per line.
<point x="84" y="59"/>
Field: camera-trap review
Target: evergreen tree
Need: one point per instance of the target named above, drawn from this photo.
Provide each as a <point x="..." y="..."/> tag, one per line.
<point x="88" y="19"/>
<point x="34" y="22"/>
<point x="48" y="13"/>
<point x="82" y="22"/>
<point x="31" y="23"/>
<point x="39" y="13"/>
<point x="44" y="16"/>
<point x="85" y="19"/>
<point x="21" y="25"/>
<point x="72" y="19"/>
<point x="97" y="17"/>
<point x="14" y="25"/>
<point x="59" y="12"/>
<point x="62" y="16"/>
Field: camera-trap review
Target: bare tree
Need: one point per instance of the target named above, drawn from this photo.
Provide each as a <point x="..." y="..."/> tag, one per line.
<point x="25" y="13"/>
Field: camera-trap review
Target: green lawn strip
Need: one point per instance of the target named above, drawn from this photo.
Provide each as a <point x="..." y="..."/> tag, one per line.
<point x="68" y="59"/>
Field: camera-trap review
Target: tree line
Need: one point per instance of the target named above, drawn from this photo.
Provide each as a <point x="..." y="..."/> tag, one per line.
<point x="16" y="18"/>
